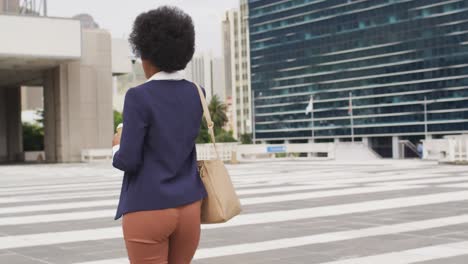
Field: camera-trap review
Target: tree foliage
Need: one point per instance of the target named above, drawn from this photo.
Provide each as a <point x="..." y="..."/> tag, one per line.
<point x="33" y="133"/>
<point x="225" y="136"/>
<point x="33" y="137"/>
<point x="218" y="115"/>
<point x="117" y="119"/>
<point x="246" y="139"/>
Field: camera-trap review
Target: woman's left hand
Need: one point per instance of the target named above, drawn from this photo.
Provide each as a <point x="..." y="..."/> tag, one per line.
<point x="116" y="140"/>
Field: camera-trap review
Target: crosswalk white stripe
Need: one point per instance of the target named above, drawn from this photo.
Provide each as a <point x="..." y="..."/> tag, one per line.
<point x="107" y="261"/>
<point x="59" y="187"/>
<point x="51" y="218"/>
<point x="57" y="178"/>
<point x="57" y="206"/>
<point x="283" y="243"/>
<point x="322" y="194"/>
<point x="423" y="181"/>
<point x="377" y="179"/>
<point x="114" y="183"/>
<point x="255" y="185"/>
<point x="94" y="194"/>
<point x="85" y="191"/>
<point x="245" y="201"/>
<point x="307" y="179"/>
<point x="290" y="189"/>
<point x="43" y="182"/>
<point x="269" y="181"/>
<point x="57" y="197"/>
<point x="412" y="255"/>
<point x="460" y="185"/>
<point x="341" y="209"/>
<point x="267" y="217"/>
<point x="110" y="186"/>
<point x="330" y="237"/>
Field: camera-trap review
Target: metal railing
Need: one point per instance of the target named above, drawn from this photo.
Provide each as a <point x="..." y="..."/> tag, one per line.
<point x="409" y="145"/>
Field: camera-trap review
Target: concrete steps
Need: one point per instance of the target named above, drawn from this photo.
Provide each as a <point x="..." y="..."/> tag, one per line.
<point x="357" y="151"/>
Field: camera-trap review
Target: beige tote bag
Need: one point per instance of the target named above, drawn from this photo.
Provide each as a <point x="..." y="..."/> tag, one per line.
<point x="222" y="202"/>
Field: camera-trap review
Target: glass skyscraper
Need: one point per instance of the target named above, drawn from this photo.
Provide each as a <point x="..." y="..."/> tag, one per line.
<point x="368" y="65"/>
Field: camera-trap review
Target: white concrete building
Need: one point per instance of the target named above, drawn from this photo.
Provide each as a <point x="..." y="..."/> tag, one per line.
<point x="199" y="70"/>
<point x="237" y="64"/>
<point x="126" y="81"/>
<point x="219" y="78"/>
<point x="208" y="71"/>
<point x="74" y="67"/>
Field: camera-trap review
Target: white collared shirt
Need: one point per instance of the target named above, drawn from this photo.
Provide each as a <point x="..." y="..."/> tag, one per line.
<point x="176" y="76"/>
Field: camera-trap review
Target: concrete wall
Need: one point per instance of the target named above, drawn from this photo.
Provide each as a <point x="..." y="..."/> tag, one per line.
<point x="52" y="114"/>
<point x="96" y="89"/>
<point x="121" y="57"/>
<point x="396" y="147"/>
<point x="9" y="6"/>
<point x="53" y="38"/>
<point x="78" y="101"/>
<point x="11" y="132"/>
<point x="32" y="98"/>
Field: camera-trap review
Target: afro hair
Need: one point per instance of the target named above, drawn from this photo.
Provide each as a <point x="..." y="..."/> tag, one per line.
<point x="165" y="37"/>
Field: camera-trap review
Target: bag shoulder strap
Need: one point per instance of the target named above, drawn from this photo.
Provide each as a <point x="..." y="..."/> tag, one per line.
<point x="207" y="115"/>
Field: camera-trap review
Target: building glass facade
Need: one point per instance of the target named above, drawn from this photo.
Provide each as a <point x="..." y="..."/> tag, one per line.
<point x="387" y="56"/>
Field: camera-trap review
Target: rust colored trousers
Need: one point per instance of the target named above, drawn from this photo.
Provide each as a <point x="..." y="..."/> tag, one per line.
<point x="168" y="236"/>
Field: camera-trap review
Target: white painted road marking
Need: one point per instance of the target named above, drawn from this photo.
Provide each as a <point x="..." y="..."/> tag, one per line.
<point x="245" y="248"/>
<point x="412" y="255"/>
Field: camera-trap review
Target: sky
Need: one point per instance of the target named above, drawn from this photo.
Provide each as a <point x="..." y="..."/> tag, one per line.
<point x="117" y="16"/>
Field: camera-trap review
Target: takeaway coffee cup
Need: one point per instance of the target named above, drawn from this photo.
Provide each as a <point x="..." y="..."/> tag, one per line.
<point x="119" y="129"/>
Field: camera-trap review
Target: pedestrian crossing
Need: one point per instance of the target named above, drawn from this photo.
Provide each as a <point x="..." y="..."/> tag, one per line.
<point x="412" y="255"/>
<point x="294" y="212"/>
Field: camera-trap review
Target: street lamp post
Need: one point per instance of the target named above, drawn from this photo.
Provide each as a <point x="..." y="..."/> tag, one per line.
<point x="310" y="109"/>
<point x="351" y="115"/>
<point x="425" y="118"/>
<point x="253" y="118"/>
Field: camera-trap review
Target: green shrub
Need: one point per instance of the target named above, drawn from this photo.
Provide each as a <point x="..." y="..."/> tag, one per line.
<point x="246" y="139"/>
<point x="33" y="137"/>
<point x="225" y="136"/>
<point x="218" y="114"/>
<point x="203" y="136"/>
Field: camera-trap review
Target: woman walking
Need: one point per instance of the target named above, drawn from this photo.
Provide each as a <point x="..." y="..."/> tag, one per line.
<point x="161" y="192"/>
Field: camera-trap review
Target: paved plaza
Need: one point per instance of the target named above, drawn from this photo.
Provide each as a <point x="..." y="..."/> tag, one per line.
<point x="389" y="212"/>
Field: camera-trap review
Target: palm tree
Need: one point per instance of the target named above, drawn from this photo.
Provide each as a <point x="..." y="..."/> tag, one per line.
<point x="218" y="113"/>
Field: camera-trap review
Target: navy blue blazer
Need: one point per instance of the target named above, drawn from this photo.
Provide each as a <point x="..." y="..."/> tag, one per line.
<point x="161" y="121"/>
